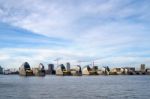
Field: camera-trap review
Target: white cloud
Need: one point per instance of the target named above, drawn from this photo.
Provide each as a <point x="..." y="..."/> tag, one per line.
<point x="114" y="25"/>
<point x="34" y="56"/>
<point x="16" y="56"/>
<point x="4" y="56"/>
<point x="56" y="19"/>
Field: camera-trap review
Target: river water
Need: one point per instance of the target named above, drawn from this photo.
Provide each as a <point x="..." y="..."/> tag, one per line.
<point x="84" y="87"/>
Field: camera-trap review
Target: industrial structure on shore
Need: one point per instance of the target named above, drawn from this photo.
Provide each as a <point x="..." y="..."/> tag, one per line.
<point x="39" y="71"/>
<point x="1" y="70"/>
<point x="66" y="70"/>
<point x="25" y="70"/>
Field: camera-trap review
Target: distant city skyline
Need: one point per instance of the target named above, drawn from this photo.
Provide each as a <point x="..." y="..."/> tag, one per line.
<point x="112" y="32"/>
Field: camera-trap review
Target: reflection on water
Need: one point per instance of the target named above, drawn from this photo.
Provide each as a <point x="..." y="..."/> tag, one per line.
<point x="85" y="87"/>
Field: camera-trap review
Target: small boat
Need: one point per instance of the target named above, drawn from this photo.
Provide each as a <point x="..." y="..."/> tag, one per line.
<point x="76" y="71"/>
<point x="40" y="71"/>
<point x="25" y="70"/>
<point x="61" y="70"/>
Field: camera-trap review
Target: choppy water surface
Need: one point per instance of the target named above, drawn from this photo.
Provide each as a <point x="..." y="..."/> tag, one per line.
<point x="85" y="87"/>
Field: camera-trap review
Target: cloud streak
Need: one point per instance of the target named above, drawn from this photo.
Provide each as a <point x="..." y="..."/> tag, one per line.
<point x="76" y="29"/>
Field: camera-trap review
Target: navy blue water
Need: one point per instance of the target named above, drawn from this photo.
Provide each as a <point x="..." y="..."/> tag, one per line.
<point x="85" y="87"/>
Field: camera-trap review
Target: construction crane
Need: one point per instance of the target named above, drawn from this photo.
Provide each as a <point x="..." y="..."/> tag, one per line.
<point x="93" y="61"/>
<point x="57" y="60"/>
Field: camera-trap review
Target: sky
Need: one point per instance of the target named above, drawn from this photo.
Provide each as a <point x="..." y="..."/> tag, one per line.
<point x="108" y="32"/>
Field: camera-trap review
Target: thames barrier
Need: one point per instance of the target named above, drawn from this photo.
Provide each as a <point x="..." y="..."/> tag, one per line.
<point x="68" y="70"/>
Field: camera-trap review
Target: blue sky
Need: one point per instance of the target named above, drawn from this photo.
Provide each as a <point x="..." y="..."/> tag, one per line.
<point x="111" y="32"/>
